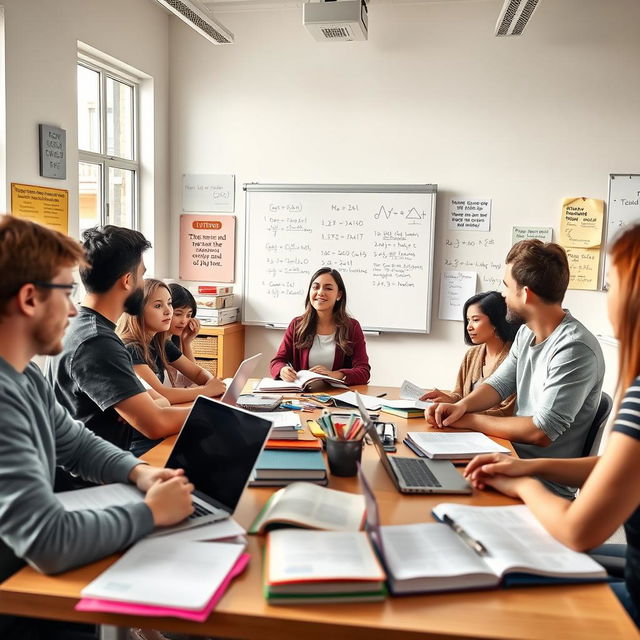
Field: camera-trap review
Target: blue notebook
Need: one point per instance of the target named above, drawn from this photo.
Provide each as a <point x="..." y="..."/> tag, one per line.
<point x="290" y="465"/>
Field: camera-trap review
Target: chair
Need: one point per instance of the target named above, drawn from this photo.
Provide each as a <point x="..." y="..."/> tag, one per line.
<point x="594" y="435"/>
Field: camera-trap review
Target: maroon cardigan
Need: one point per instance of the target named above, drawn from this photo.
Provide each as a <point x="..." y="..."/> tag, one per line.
<point x="355" y="367"/>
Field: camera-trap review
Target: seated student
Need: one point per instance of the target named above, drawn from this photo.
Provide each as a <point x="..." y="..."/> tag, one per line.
<point x="555" y="366"/>
<point x="487" y="328"/>
<point x="93" y="376"/>
<point x="184" y="324"/>
<point x="325" y="339"/>
<point x="146" y="338"/>
<point x="610" y="493"/>
<point x="37" y="433"/>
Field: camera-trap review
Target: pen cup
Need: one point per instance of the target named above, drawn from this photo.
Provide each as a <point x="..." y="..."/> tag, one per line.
<point x="343" y="456"/>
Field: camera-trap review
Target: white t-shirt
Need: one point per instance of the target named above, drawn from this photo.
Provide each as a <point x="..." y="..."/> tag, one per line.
<point x="323" y="351"/>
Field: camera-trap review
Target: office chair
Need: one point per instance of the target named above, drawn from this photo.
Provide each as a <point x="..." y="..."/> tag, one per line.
<point x="594" y="435"/>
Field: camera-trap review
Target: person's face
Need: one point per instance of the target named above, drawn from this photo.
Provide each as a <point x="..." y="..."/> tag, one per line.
<point x="55" y="311"/>
<point x="324" y="293"/>
<point x="479" y="327"/>
<point x="158" y="311"/>
<point x="614" y="301"/>
<point x="180" y="319"/>
<point x="514" y="297"/>
<point x="133" y="303"/>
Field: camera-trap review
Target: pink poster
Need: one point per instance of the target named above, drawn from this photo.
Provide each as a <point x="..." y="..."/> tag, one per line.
<point x="207" y="247"/>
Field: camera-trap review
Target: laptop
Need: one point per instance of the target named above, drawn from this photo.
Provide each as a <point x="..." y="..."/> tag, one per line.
<point x="246" y="368"/>
<point x="415" y="475"/>
<point x="217" y="447"/>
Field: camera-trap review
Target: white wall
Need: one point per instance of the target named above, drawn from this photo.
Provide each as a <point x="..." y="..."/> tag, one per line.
<point x="41" y="54"/>
<point x="431" y="97"/>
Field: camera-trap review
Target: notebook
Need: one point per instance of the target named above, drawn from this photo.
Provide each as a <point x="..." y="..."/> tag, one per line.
<point x="246" y="368"/>
<point x="415" y="475"/>
<point x="303" y="381"/>
<point x="454" y="446"/>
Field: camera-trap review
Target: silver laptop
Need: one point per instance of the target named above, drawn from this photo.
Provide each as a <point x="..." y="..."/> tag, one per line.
<point x="244" y="372"/>
<point x="415" y="475"/>
<point x="217" y="447"/>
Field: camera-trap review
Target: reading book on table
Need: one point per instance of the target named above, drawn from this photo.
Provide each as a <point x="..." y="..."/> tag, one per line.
<point x="307" y="505"/>
<point x="303" y="566"/>
<point x="489" y="546"/>
<point x="278" y="467"/>
<point x="303" y="381"/>
<point x="453" y="446"/>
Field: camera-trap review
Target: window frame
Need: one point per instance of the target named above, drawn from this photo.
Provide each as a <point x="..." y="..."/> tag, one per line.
<point x="104" y="160"/>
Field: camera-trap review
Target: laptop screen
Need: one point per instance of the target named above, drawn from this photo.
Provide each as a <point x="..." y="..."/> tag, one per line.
<point x="231" y="395"/>
<point x="217" y="448"/>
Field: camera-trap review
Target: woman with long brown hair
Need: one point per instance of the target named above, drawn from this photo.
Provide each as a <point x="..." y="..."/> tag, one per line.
<point x="610" y="484"/>
<point x="324" y="339"/>
<point x="147" y="338"/>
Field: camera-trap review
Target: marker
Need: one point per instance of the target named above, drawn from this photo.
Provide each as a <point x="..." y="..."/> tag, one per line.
<point x="381" y="395"/>
<point x="470" y="541"/>
<point x="293" y="407"/>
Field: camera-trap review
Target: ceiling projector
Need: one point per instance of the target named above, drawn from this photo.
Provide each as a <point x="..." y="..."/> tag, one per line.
<point x="336" y="20"/>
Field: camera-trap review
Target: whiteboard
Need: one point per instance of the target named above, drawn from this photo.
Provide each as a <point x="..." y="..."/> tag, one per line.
<point x="379" y="237"/>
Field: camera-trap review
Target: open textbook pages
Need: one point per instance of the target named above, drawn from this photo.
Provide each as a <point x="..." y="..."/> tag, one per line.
<point x="454" y="446"/>
<point x="433" y="557"/>
<point x="303" y="381"/>
<point x="410" y="391"/>
<point x="302" y="504"/>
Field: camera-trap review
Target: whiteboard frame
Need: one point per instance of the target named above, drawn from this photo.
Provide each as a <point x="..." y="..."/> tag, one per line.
<point x="343" y="188"/>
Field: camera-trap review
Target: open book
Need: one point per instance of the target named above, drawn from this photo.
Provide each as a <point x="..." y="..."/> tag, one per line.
<point x="480" y="547"/>
<point x="303" y="381"/>
<point x="307" y="505"/>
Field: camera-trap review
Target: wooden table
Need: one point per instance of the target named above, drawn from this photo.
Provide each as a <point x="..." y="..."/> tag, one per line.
<point x="541" y="613"/>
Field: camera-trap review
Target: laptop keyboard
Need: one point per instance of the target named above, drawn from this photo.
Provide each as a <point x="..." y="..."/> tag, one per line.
<point x="415" y="473"/>
<point x="201" y="510"/>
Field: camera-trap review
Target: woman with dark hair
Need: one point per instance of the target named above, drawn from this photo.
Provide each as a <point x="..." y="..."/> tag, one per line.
<point x="184" y="324"/>
<point x="486" y="328"/>
<point x="324" y="339"/>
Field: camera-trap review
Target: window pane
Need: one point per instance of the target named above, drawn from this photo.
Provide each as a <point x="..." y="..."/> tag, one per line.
<point x="121" y="185"/>
<point x="88" y="109"/>
<point x="90" y="195"/>
<point x="119" y="119"/>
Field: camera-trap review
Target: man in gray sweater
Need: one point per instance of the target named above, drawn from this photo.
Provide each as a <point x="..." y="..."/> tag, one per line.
<point x="37" y="433"/>
<point x="555" y="366"/>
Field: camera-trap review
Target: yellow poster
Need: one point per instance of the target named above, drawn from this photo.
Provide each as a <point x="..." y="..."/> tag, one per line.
<point x="581" y="236"/>
<point x="49" y="207"/>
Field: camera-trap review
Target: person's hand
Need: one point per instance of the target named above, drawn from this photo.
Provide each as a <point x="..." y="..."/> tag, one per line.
<point x="288" y="374"/>
<point x="483" y="468"/>
<point x="444" y="414"/>
<point x="511" y="487"/>
<point x="191" y="330"/>
<point x="144" y="475"/>
<point x="214" y="387"/>
<point x="170" y="500"/>
<point x="435" y="395"/>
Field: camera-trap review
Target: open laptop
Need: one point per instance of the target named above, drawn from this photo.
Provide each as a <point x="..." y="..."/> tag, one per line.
<point x="415" y="475"/>
<point x="217" y="447"/>
<point x="244" y="372"/>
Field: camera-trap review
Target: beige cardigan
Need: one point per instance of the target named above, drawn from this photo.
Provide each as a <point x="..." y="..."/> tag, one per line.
<point x="471" y="371"/>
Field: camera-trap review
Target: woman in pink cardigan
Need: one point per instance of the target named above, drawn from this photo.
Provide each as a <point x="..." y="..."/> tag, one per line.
<point x="324" y="339"/>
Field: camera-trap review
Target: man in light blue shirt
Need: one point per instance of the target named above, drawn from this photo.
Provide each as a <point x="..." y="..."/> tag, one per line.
<point x="555" y="366"/>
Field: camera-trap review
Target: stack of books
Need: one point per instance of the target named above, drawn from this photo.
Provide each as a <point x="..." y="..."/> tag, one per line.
<point x="279" y="467"/>
<point x="286" y="425"/>
<point x="304" y="567"/>
<point x="405" y="408"/>
<point x="215" y="305"/>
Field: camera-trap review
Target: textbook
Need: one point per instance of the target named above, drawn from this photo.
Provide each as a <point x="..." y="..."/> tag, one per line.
<point x="304" y="566"/>
<point x="277" y="467"/>
<point x="307" y="505"/>
<point x="453" y="446"/>
<point x="476" y="548"/>
<point x="303" y="381"/>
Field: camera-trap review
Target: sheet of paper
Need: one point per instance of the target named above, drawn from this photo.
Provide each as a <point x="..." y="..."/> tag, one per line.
<point x="406" y="404"/>
<point x="470" y="215"/>
<point x="280" y="419"/>
<point x="463" y="443"/>
<point x="584" y="268"/>
<point x="456" y="287"/>
<point x="227" y="528"/>
<point x="581" y="223"/>
<point x="371" y="403"/>
<point x="410" y="391"/>
<point x="108" y="495"/>
<point x="544" y="234"/>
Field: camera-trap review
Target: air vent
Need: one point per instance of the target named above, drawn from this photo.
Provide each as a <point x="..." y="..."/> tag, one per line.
<point x="514" y="17"/>
<point x="198" y="18"/>
<point x="336" y="32"/>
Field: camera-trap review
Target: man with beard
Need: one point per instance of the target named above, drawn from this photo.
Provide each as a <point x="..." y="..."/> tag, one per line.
<point x="36" y="432"/>
<point x="555" y="366"/>
<point x="93" y="377"/>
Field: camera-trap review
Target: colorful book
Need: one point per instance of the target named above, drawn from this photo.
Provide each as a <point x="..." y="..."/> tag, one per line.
<point x="291" y="465"/>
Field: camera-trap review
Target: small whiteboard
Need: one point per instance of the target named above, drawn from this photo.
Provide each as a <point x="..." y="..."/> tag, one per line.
<point x="379" y="237"/>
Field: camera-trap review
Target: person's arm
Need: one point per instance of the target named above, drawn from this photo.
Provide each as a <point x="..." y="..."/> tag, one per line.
<point x="514" y="428"/>
<point x="195" y="373"/>
<point x="285" y="355"/>
<point x="150" y="419"/>
<point x="445" y="414"/>
<point x="503" y="410"/>
<point x="607" y="498"/>
<point x="360" y="371"/>
<point x="186" y="340"/>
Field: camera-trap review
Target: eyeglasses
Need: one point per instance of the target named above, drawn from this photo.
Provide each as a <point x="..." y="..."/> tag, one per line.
<point x="73" y="287"/>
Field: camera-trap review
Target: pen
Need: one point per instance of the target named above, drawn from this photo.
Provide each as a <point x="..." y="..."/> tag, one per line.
<point x="381" y="395"/>
<point x="471" y="542"/>
<point x="294" y="407"/>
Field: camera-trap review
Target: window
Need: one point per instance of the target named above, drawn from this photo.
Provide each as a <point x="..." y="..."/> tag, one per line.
<point x="107" y="150"/>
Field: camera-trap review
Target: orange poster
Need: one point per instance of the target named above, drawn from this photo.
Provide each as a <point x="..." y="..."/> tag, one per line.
<point x="49" y="207"/>
<point x="207" y="247"/>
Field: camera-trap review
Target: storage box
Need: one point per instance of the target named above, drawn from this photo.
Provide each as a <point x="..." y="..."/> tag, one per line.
<point x="214" y="289"/>
<point x="209" y="365"/>
<point x="205" y="346"/>
<point x="217" y="317"/>
<point x="214" y="302"/>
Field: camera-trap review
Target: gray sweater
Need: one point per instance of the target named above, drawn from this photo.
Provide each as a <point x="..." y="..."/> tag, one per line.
<point x="36" y="434"/>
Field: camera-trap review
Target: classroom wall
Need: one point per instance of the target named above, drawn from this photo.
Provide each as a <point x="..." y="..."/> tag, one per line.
<point x="41" y="53"/>
<point x="433" y="96"/>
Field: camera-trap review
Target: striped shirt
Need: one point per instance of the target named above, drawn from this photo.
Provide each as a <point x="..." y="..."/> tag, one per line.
<point x="628" y="422"/>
